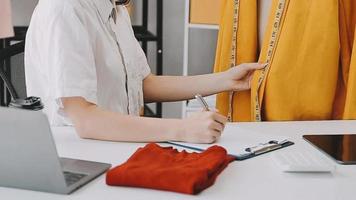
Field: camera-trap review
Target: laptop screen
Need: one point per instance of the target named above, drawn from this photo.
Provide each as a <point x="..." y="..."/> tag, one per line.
<point x="340" y="147"/>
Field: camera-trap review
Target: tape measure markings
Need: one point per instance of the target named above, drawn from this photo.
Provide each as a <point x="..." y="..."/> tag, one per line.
<point x="271" y="48"/>
<point x="233" y="53"/>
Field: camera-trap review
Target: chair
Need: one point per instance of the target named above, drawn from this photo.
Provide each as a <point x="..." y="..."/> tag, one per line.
<point x="8" y="48"/>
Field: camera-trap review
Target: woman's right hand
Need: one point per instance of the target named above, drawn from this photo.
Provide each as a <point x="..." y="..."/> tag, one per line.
<point x="202" y="127"/>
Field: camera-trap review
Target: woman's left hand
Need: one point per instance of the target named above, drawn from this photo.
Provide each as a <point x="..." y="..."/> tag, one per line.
<point x="239" y="78"/>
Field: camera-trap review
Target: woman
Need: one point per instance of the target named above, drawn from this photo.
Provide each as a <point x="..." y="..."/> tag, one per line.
<point x="83" y="60"/>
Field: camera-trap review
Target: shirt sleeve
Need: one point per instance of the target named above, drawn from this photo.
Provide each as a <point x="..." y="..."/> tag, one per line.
<point x="142" y="62"/>
<point x="70" y="55"/>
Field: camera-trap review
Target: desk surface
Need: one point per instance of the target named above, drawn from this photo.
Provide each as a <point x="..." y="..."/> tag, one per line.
<point x="256" y="178"/>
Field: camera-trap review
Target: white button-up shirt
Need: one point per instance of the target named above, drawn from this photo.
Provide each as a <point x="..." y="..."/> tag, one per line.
<point x="77" y="49"/>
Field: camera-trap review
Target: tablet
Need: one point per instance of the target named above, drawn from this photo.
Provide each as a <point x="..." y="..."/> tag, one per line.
<point x="342" y="148"/>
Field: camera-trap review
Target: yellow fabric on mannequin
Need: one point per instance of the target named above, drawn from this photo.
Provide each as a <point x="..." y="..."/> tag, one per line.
<point x="301" y="82"/>
<point x="262" y="59"/>
<point x="246" y="52"/>
<point x="312" y="71"/>
<point x="347" y="21"/>
<point x="345" y="101"/>
<point x="350" y="104"/>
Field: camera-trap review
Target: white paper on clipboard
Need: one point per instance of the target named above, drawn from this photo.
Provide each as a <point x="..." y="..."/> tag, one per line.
<point x="235" y="141"/>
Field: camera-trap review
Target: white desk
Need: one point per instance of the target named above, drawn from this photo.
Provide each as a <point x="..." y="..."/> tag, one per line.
<point x="256" y="178"/>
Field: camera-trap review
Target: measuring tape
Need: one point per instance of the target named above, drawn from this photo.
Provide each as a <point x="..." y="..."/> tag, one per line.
<point x="233" y="53"/>
<point x="270" y="50"/>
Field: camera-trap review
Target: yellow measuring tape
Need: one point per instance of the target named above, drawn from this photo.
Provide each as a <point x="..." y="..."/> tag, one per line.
<point x="270" y="52"/>
<point x="233" y="53"/>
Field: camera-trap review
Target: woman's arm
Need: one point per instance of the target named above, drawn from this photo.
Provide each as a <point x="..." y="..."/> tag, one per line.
<point x="176" y="88"/>
<point x="91" y="122"/>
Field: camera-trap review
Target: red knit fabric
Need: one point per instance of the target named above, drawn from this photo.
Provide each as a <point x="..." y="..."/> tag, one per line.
<point x="165" y="168"/>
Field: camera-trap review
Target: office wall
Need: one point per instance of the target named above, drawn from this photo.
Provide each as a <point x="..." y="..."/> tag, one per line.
<point x="22" y="11"/>
<point x="173" y="36"/>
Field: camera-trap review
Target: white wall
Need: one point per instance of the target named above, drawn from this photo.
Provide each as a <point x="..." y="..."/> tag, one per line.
<point x="22" y="11"/>
<point x="173" y="37"/>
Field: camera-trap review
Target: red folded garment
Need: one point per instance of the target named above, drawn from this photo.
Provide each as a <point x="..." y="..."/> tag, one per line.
<point x="165" y="168"/>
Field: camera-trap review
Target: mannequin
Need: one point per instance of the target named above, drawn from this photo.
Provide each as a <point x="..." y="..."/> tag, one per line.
<point x="264" y="6"/>
<point x="303" y="59"/>
<point x="253" y="18"/>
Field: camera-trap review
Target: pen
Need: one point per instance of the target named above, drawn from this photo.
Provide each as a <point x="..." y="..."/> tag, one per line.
<point x="202" y="102"/>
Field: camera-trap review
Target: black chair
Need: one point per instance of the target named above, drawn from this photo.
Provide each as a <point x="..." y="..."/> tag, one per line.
<point x="5" y="54"/>
<point x="8" y="94"/>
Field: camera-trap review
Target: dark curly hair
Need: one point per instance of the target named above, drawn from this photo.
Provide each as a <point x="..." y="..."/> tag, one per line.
<point x="122" y="2"/>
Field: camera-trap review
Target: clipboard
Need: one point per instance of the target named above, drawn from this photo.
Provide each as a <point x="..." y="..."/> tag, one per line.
<point x="250" y="152"/>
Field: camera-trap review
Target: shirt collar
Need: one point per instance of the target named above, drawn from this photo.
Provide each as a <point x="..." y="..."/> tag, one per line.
<point x="105" y="8"/>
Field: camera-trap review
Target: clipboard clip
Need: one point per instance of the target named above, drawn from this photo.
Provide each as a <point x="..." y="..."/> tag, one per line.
<point x="266" y="147"/>
<point x="263" y="148"/>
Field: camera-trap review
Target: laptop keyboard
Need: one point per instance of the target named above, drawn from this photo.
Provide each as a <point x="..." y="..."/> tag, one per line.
<point x="72" y="178"/>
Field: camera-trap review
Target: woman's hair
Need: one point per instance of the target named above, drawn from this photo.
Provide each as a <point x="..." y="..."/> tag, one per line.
<point x="122" y="2"/>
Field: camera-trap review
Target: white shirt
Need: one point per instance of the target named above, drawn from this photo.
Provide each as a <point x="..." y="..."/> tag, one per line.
<point x="75" y="49"/>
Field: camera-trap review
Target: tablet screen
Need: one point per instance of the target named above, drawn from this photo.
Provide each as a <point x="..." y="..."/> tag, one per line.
<point x="340" y="147"/>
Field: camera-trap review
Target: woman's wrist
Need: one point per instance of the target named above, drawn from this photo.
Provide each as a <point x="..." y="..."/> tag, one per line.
<point x="174" y="129"/>
<point x="225" y="82"/>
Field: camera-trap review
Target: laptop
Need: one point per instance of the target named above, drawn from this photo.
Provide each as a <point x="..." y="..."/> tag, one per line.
<point x="341" y="148"/>
<point x="29" y="159"/>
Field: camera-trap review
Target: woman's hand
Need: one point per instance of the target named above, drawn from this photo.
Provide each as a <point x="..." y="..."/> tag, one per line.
<point x="239" y="78"/>
<point x="202" y="127"/>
